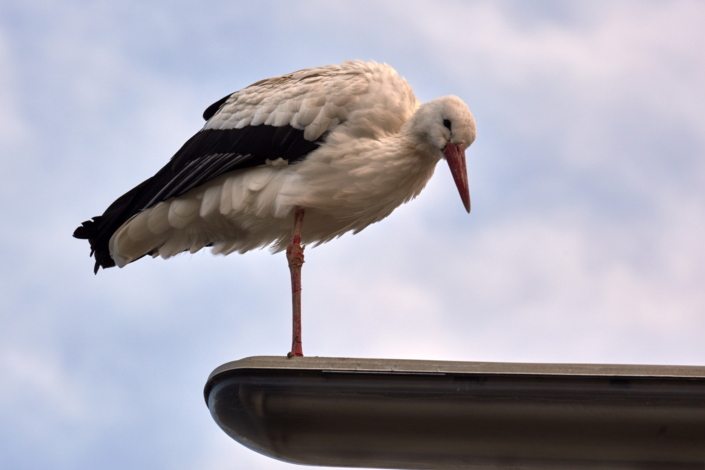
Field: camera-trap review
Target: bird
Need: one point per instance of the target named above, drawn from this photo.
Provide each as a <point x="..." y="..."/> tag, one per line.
<point x="287" y="162"/>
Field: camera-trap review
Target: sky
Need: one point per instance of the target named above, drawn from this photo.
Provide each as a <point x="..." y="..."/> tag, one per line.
<point x="585" y="242"/>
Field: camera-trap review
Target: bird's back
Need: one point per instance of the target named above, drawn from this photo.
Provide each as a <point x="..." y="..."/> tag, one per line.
<point x="371" y="99"/>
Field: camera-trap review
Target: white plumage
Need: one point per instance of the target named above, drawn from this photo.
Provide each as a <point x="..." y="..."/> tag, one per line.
<point x="300" y="158"/>
<point x="375" y="157"/>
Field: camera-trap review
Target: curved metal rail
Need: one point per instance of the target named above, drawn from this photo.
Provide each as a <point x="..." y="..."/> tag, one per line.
<point x="452" y="415"/>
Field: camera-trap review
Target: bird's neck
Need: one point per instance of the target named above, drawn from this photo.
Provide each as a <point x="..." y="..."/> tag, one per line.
<point x="404" y="165"/>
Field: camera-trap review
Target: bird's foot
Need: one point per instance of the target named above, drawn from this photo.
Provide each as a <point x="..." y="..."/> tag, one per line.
<point x="295" y="353"/>
<point x="296" y="345"/>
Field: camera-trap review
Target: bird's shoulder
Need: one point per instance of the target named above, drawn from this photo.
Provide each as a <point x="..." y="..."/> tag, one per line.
<point x="372" y="98"/>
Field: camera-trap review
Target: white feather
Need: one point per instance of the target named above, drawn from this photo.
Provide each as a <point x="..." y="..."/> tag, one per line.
<point x="138" y="229"/>
<point x="182" y="211"/>
<point x="226" y="194"/>
<point x="158" y="218"/>
<point x="210" y="204"/>
<point x="239" y="192"/>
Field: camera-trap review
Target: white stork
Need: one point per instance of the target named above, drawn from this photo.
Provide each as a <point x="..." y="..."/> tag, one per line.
<point x="341" y="146"/>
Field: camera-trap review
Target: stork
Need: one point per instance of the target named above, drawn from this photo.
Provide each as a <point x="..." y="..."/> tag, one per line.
<point x="289" y="161"/>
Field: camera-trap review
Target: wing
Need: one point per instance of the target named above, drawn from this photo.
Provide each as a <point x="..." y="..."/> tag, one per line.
<point x="284" y="117"/>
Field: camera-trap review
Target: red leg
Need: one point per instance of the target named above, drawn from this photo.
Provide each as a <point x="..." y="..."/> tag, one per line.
<point x="295" y="255"/>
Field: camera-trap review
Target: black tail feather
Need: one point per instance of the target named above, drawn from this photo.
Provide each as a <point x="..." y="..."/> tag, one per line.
<point x="99" y="229"/>
<point x="90" y="230"/>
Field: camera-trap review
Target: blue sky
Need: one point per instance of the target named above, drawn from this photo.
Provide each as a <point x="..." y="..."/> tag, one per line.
<point x="585" y="243"/>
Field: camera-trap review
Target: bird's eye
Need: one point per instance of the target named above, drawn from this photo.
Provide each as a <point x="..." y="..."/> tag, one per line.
<point x="446" y="123"/>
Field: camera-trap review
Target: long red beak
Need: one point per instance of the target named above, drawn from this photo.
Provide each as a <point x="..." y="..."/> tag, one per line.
<point x="455" y="156"/>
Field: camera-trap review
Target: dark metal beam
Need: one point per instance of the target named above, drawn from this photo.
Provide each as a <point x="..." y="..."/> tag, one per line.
<point x="452" y="415"/>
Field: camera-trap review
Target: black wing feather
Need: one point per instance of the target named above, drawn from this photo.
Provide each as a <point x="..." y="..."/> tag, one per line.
<point x="214" y="108"/>
<point x="206" y="155"/>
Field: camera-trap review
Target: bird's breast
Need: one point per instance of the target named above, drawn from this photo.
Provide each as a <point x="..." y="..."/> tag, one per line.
<point x="360" y="183"/>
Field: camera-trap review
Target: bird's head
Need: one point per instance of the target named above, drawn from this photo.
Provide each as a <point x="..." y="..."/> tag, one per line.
<point x="444" y="128"/>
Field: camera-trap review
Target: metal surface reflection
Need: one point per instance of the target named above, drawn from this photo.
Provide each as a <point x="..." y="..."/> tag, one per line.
<point x="451" y="415"/>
